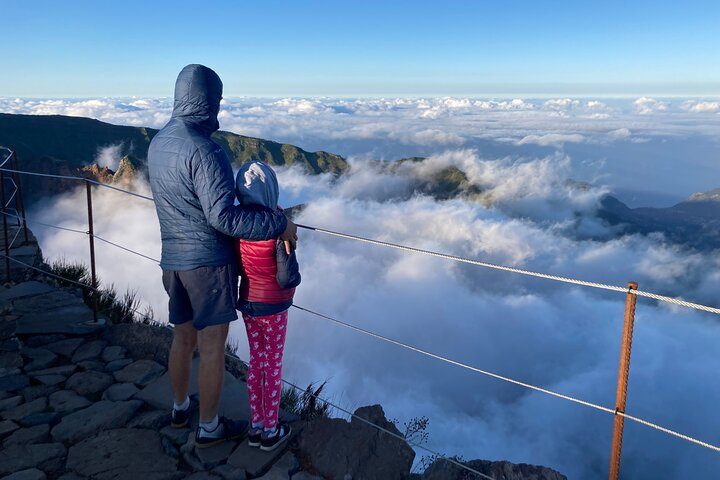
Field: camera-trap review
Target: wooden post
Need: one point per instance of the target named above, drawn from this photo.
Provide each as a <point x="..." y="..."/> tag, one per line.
<point x="622" y="385"/>
<point x="5" y="227"/>
<point x="91" y="237"/>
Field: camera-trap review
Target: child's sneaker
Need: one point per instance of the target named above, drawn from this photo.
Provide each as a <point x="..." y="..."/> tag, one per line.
<point x="255" y="437"/>
<point x="268" y="443"/>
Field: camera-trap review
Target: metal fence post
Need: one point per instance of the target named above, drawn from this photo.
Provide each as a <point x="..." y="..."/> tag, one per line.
<point x="91" y="236"/>
<point x="5" y="227"/>
<point x="623" y="374"/>
<point x="19" y="199"/>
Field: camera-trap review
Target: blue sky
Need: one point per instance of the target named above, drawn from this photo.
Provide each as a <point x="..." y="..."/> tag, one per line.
<point x="89" y="48"/>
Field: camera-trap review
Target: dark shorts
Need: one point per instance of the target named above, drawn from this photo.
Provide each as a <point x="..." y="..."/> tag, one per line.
<point x="204" y="296"/>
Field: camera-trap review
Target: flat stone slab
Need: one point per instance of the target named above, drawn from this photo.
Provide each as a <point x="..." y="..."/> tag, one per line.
<point x="51" y="379"/>
<point x="42" y="418"/>
<point x="89" y="351"/>
<point x="52" y="300"/>
<point x="12" y="383"/>
<point x="65" y="347"/>
<point x="7" y="427"/>
<point x="116" y="365"/>
<point x="29" y="474"/>
<point x="152" y="420"/>
<point x="64" y="370"/>
<point x="140" y="372"/>
<point x="36" y="434"/>
<point x="89" y="383"/>
<point x="41" y="340"/>
<point x="123" y="454"/>
<point x="11" y="360"/>
<point x="67" y="320"/>
<point x="24" y="289"/>
<point x="37" y="391"/>
<point x="120" y="391"/>
<point x="11" y="402"/>
<point x="39" y="358"/>
<point x="178" y="436"/>
<point x="21" y="411"/>
<point x="253" y="460"/>
<point x="206" y="458"/>
<point x="103" y="415"/>
<point x="234" y="401"/>
<point x="113" y="352"/>
<point x="20" y="457"/>
<point x="67" y="401"/>
<point x="228" y="472"/>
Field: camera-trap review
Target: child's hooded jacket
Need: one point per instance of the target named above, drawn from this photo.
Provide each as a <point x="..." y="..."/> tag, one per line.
<point x="268" y="274"/>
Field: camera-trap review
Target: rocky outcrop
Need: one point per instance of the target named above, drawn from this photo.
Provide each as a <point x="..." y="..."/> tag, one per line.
<point x="334" y="448"/>
<point x="443" y="470"/>
<point x="120" y="450"/>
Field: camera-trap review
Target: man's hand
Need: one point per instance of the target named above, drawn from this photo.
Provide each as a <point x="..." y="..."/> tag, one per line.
<point x="289" y="236"/>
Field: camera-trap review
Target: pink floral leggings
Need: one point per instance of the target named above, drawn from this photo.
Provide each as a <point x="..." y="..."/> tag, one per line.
<point x="266" y="336"/>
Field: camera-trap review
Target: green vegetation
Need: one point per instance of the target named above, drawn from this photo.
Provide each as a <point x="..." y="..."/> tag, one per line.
<point x="449" y="182"/>
<point x="116" y="309"/>
<point x="306" y="405"/>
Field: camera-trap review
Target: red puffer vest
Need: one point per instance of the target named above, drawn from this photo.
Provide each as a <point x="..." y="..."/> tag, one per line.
<point x="258" y="267"/>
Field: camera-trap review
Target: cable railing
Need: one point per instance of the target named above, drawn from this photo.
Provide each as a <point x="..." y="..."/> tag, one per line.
<point x="631" y="293"/>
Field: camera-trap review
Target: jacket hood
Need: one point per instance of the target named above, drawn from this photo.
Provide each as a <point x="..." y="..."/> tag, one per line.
<point x="256" y="184"/>
<point x="198" y="91"/>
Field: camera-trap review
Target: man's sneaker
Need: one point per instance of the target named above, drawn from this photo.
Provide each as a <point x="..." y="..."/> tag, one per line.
<point x="226" y="429"/>
<point x="180" y="418"/>
<point x="270" y="443"/>
<point x="255" y="437"/>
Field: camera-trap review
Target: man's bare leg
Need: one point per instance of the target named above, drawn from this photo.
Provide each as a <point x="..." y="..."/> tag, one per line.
<point x="180" y="361"/>
<point x="211" y="341"/>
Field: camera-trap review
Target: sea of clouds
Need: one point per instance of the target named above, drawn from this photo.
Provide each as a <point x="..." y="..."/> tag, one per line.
<point x="530" y="158"/>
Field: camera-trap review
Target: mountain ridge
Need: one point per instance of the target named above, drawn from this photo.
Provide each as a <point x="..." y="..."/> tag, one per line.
<point x="64" y="145"/>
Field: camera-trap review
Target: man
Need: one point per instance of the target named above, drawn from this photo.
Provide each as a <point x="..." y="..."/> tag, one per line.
<point x="193" y="186"/>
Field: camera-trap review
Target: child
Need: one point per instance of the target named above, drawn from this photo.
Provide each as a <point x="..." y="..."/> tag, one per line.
<point x="268" y="280"/>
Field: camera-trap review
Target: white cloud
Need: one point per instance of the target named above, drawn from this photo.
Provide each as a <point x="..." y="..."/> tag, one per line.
<point x="646" y="105"/>
<point x="702" y="107"/>
<point x="555" y="139"/>
<point x="109" y="156"/>
<point x="562" y="103"/>
<point x="620" y="133"/>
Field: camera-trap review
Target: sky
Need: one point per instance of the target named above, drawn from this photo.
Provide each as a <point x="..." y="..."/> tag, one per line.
<point x="334" y="48"/>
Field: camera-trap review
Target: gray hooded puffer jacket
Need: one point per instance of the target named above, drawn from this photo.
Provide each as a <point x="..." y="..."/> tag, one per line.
<point x="192" y="182"/>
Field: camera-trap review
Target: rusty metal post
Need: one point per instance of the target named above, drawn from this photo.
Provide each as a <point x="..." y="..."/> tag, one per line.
<point x="5" y="227"/>
<point x="19" y="199"/>
<point x="623" y="374"/>
<point x="91" y="236"/>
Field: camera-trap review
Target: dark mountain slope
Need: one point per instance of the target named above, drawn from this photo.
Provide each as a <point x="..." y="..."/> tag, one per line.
<point x="64" y="145"/>
<point x="695" y="222"/>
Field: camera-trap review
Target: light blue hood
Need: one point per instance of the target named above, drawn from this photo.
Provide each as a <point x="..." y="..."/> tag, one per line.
<point x="256" y="184"/>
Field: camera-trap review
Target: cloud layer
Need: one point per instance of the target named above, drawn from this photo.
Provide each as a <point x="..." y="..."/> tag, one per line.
<point x="612" y="138"/>
<point x="548" y="334"/>
<point x="540" y="167"/>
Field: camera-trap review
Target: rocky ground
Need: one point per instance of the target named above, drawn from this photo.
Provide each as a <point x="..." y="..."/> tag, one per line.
<point x="80" y="400"/>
